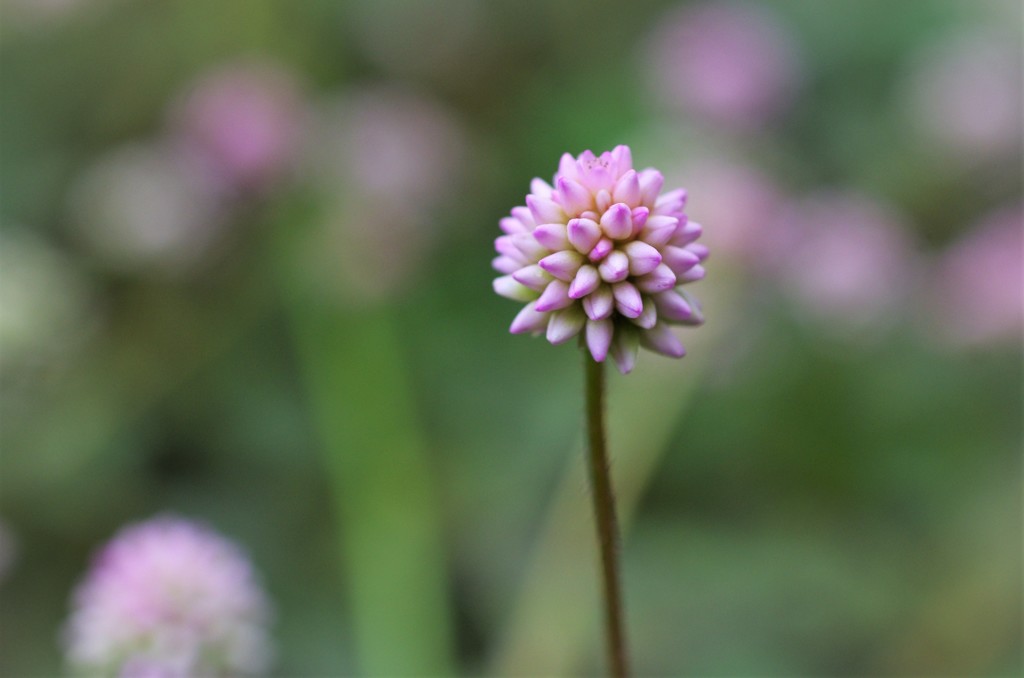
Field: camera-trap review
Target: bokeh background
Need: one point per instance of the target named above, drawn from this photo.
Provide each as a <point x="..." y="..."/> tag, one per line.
<point x="244" y="278"/>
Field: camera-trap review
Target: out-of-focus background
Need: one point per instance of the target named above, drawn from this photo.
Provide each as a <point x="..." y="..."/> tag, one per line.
<point x="245" y="278"/>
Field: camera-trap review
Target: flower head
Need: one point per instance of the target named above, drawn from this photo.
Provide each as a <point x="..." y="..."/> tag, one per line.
<point x="168" y="598"/>
<point x="602" y="252"/>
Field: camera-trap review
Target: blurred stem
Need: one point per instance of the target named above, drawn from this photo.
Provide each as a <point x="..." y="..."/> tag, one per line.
<point x="386" y="506"/>
<point x="387" y="511"/>
<point x="604" y="517"/>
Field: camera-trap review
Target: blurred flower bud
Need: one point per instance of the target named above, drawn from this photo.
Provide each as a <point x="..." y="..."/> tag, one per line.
<point x="977" y="285"/>
<point x="964" y="95"/>
<point x="734" y="64"/>
<point x="738" y="205"/>
<point x="387" y="160"/>
<point x="143" y="208"/>
<point x="243" y="122"/>
<point x="169" y="598"/>
<point x="852" y="263"/>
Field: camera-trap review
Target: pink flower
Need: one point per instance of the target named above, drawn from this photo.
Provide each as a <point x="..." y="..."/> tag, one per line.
<point x="169" y="598"/>
<point x="965" y="95"/>
<point x="978" y="283"/>
<point x="851" y="262"/>
<point x="602" y="253"/>
<point x="731" y="63"/>
<point x="243" y="122"/>
<point x="742" y="203"/>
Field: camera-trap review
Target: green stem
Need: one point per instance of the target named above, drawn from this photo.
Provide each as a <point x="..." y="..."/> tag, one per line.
<point x="604" y="517"/>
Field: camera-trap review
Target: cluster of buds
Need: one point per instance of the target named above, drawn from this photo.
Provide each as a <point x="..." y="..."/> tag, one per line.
<point x="603" y="253"/>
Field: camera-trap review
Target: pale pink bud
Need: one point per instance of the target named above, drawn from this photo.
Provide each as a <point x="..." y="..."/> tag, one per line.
<point x="584" y="234"/>
<point x="617" y="222"/>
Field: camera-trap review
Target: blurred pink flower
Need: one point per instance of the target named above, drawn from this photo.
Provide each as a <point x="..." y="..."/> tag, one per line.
<point x="386" y="159"/>
<point x="390" y="144"/>
<point x="741" y="203"/>
<point x="142" y="208"/>
<point x="169" y="598"/>
<point x="243" y="122"/>
<point x="977" y="286"/>
<point x="852" y="262"/>
<point x="733" y="63"/>
<point x="965" y="94"/>
<point x="604" y="253"/>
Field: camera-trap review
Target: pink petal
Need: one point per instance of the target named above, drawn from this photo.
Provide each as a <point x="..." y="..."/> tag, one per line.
<point x="505" y="264"/>
<point x="680" y="260"/>
<point x="659" y="230"/>
<point x="529" y="320"/>
<point x="622" y="159"/>
<point x="544" y="210"/>
<point x="510" y="288"/>
<point x="672" y="203"/>
<point x="660" y="279"/>
<point x="640" y="215"/>
<point x="599" y="338"/>
<point x="627" y="189"/>
<point x="504" y="246"/>
<point x="568" y="168"/>
<point x="686" y="234"/>
<point x="603" y="200"/>
<point x="660" y="339"/>
<point x="565" y="324"/>
<point x="673" y="307"/>
<point x="534" y="277"/>
<point x="563" y="265"/>
<point x="574" y="197"/>
<point x="554" y="297"/>
<point x="617" y="222"/>
<point x="600" y="303"/>
<point x="642" y="257"/>
<point x="598" y="177"/>
<point x="552" y="236"/>
<point x="625" y="346"/>
<point x="583" y="234"/>
<point x="615" y="267"/>
<point x="528" y="245"/>
<point x="524" y="216"/>
<point x="651" y="182"/>
<point x="700" y="250"/>
<point x="648" y="317"/>
<point x="601" y="249"/>
<point x="585" y="282"/>
<point x="511" y="225"/>
<point x="694" y="274"/>
<point x="698" y="313"/>
<point x="627" y="299"/>
<point x="541" y="188"/>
